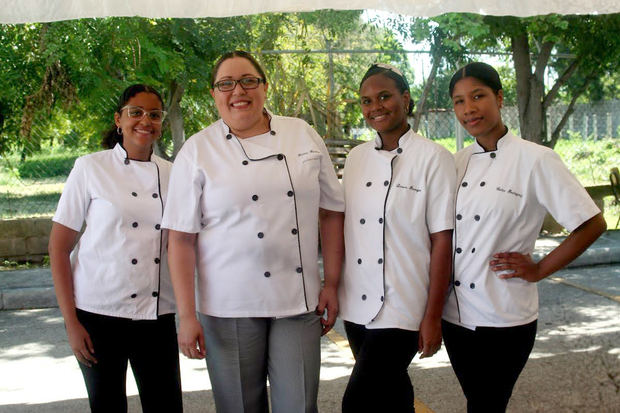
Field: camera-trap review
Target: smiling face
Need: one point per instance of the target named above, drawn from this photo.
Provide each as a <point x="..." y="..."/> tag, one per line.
<point x="384" y="107"/>
<point x="241" y="110"/>
<point x="139" y="134"/>
<point x="477" y="107"/>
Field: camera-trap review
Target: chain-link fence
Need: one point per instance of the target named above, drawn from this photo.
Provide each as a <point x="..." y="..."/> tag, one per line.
<point x="31" y="185"/>
<point x="588" y="121"/>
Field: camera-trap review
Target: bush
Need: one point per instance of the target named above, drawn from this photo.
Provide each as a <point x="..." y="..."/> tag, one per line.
<point x="46" y="166"/>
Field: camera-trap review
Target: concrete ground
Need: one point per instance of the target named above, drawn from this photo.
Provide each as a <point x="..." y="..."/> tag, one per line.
<point x="574" y="367"/>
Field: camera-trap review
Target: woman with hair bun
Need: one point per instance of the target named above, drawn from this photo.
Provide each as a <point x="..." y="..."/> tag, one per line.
<point x="113" y="287"/>
<point x="506" y="185"/>
<point x="399" y="191"/>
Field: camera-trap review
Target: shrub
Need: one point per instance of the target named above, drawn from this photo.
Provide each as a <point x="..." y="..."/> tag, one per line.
<point x="46" y="166"/>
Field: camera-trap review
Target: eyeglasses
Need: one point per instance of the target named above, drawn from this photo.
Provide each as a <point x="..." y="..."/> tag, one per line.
<point x="136" y="112"/>
<point x="245" y="82"/>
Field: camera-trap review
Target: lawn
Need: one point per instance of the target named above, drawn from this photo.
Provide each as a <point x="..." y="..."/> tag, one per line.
<point x="32" y="188"/>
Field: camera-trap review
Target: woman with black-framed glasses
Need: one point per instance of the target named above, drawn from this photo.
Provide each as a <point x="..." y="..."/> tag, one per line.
<point x="113" y="287"/>
<point x="246" y="198"/>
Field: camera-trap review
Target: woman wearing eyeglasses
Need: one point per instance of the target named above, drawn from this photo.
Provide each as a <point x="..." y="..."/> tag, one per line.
<point x="399" y="191"/>
<point x="113" y="287"/>
<point x="246" y="198"/>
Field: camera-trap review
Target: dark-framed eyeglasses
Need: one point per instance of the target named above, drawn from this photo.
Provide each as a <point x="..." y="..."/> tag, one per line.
<point x="245" y="82"/>
<point x="137" y="113"/>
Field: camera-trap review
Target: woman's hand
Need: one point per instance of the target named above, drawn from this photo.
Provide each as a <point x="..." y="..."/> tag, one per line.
<point x="429" y="341"/>
<point x="80" y="343"/>
<point x="328" y="300"/>
<point x="521" y="265"/>
<point x="191" y="339"/>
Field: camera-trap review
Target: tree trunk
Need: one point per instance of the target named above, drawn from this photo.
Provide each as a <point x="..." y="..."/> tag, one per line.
<point x="175" y="116"/>
<point x="331" y="114"/>
<point x="417" y="115"/>
<point x="530" y="90"/>
<point x="569" y="111"/>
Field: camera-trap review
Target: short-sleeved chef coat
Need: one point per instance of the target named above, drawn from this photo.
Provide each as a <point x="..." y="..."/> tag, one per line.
<point x="254" y="203"/>
<point x="502" y="199"/>
<point x="394" y="200"/>
<point x="120" y="265"/>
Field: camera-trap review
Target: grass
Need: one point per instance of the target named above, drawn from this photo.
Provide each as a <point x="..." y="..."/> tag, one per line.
<point x="7" y="265"/>
<point x="32" y="188"/>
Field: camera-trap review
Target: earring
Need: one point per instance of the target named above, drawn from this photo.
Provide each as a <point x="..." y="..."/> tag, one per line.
<point x="119" y="131"/>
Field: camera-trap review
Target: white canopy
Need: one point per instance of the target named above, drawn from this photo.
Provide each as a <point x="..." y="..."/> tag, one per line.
<point x="27" y="11"/>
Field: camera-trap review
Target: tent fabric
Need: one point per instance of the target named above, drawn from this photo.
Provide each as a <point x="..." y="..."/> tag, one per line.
<point x="29" y="11"/>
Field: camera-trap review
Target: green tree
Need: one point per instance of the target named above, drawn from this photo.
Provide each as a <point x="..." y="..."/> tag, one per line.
<point x="593" y="42"/>
<point x="74" y="69"/>
<point x="450" y="38"/>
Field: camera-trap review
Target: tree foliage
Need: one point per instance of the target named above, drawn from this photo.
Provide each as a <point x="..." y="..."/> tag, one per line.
<point x="73" y="70"/>
<point x="579" y="52"/>
<point x="60" y="79"/>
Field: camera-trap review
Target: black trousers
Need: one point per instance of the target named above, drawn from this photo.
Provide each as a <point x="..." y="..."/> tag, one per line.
<point x="380" y="381"/>
<point x="488" y="361"/>
<point x="151" y="347"/>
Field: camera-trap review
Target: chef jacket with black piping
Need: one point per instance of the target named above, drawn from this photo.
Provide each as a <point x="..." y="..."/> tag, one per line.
<point x="502" y="199"/>
<point x="119" y="264"/>
<point x="394" y="200"/>
<point x="254" y="203"/>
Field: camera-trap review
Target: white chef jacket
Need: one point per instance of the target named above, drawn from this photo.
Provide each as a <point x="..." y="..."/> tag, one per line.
<point x="394" y="200"/>
<point x="502" y="199"/>
<point x="119" y="265"/>
<point x="254" y="203"/>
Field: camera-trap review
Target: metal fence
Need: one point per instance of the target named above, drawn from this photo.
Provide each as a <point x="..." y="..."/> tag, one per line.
<point x="588" y="121"/>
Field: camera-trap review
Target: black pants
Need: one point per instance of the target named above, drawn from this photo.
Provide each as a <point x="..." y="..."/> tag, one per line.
<point x="488" y="361"/>
<point x="151" y="347"/>
<point x="380" y="381"/>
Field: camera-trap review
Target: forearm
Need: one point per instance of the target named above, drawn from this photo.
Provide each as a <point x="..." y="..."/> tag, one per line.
<point x="439" y="272"/>
<point x="182" y="262"/>
<point x="332" y="245"/>
<point x="574" y="245"/>
<point x="60" y="245"/>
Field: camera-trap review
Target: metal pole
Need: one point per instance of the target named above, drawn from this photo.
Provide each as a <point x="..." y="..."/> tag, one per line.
<point x="459" y="134"/>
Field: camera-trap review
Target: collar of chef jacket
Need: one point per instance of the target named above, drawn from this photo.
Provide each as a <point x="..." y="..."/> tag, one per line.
<point x="122" y="156"/>
<point x="252" y="146"/>
<point x="503" y="144"/>
<point x="403" y="141"/>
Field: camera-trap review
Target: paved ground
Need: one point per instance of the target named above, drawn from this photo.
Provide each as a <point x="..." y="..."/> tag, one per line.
<point x="575" y="365"/>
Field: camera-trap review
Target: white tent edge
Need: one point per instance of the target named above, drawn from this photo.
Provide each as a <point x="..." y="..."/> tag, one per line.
<point x="31" y="11"/>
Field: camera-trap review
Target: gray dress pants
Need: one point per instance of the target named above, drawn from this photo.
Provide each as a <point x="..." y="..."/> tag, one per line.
<point x="243" y="352"/>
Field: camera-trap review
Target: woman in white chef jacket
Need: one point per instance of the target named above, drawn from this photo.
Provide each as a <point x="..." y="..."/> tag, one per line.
<point x="114" y="290"/>
<point x="245" y="198"/>
<point x="506" y="186"/>
<point x="399" y="196"/>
